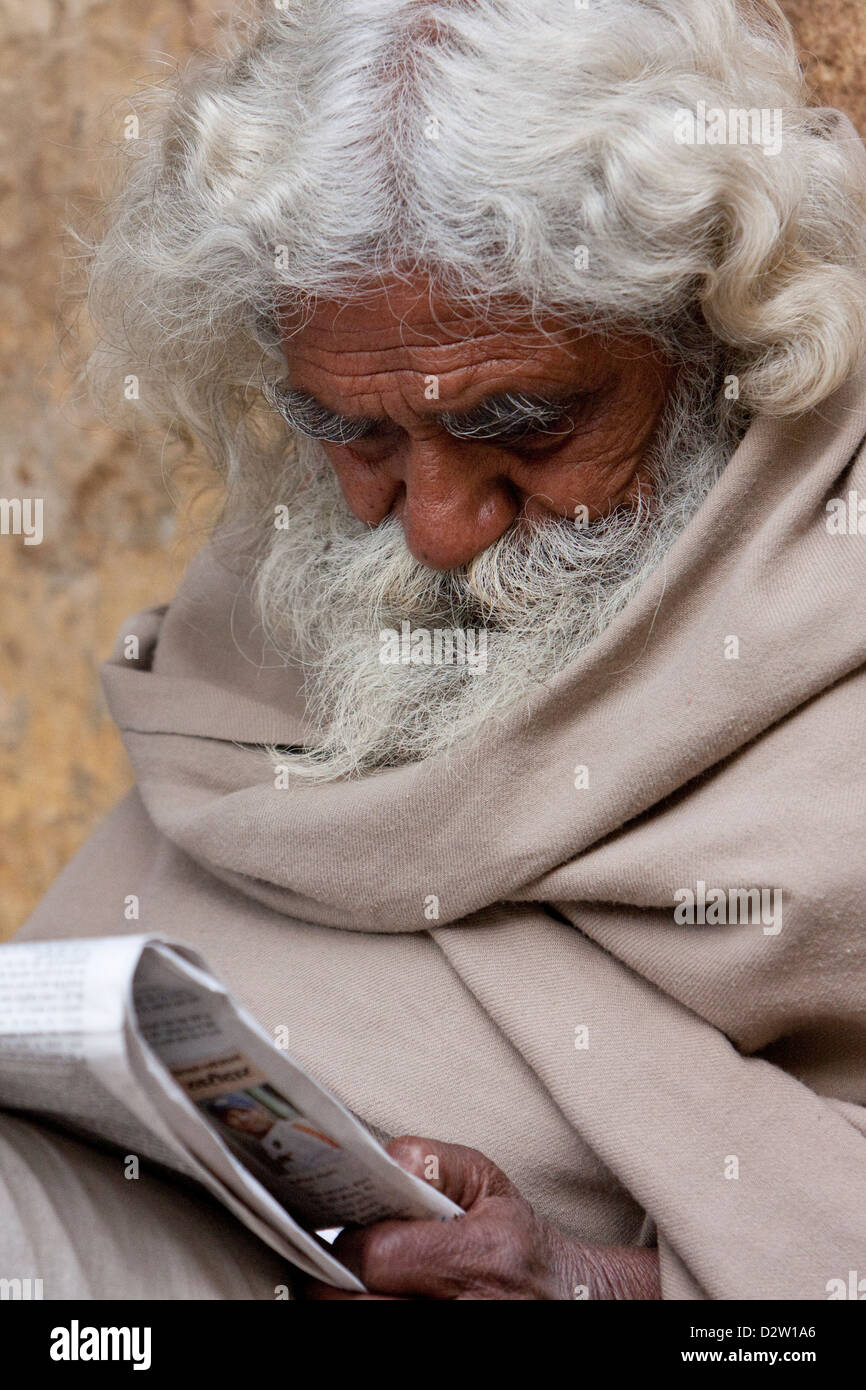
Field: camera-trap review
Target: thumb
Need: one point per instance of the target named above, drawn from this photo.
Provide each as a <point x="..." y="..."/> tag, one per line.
<point x="463" y="1174"/>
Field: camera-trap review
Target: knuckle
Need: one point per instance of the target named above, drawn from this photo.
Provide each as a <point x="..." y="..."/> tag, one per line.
<point x="381" y="1253"/>
<point x="409" y="1149"/>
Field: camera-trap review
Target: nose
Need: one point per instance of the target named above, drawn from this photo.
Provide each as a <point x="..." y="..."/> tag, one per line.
<point x="456" y="500"/>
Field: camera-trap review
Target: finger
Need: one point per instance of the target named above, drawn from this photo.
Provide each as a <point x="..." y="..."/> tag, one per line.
<point x="463" y="1174"/>
<point x="433" y="1259"/>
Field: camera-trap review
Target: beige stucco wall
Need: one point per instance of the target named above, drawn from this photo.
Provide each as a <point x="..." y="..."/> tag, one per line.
<point x="112" y="539"/>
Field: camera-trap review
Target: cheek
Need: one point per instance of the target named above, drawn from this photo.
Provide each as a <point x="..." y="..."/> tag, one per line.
<point x="603" y="465"/>
<point x="593" y="472"/>
<point x="369" y="492"/>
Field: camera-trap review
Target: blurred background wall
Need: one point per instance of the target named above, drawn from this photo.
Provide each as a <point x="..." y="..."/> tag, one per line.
<point x="116" y="538"/>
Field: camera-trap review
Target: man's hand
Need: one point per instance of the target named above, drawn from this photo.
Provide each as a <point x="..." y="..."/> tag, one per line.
<point x="499" y="1249"/>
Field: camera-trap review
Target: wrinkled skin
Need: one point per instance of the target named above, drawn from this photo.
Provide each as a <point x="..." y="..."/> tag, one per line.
<point x="455" y="497"/>
<point x="499" y="1250"/>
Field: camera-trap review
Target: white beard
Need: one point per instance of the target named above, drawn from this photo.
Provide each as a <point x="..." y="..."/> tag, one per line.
<point x="328" y="586"/>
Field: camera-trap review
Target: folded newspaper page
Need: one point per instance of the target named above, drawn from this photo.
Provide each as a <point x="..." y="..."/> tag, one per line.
<point x="131" y="1041"/>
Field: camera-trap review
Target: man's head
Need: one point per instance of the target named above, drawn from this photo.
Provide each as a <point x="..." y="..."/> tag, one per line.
<point x="481" y="294"/>
<point x="459" y="427"/>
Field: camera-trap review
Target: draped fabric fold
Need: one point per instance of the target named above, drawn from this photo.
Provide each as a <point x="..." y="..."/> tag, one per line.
<point x="485" y="946"/>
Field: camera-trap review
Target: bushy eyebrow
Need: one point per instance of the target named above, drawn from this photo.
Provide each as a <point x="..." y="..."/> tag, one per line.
<point x="308" y="416"/>
<point x="508" y="415"/>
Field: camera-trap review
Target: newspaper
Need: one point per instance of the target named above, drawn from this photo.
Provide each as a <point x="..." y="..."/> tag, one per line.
<point x="131" y="1040"/>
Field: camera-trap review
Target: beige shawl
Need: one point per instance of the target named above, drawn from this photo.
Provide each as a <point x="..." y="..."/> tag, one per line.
<point x="700" y="1084"/>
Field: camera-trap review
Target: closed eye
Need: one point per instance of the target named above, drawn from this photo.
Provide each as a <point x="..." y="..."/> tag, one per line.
<point x="539" y="439"/>
<point x="544" y="436"/>
<point x="305" y="415"/>
<point x="512" y="421"/>
<point x="516" y="420"/>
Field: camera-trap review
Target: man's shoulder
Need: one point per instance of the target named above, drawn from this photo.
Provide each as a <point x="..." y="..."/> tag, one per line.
<point x="95" y="894"/>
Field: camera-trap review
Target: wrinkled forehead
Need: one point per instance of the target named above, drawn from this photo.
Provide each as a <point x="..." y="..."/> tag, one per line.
<point x="410" y="324"/>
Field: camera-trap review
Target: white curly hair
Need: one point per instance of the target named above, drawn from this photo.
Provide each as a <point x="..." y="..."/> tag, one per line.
<point x="484" y="143"/>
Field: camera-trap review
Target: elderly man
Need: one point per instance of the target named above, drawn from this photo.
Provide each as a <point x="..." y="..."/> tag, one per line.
<point x="503" y="745"/>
